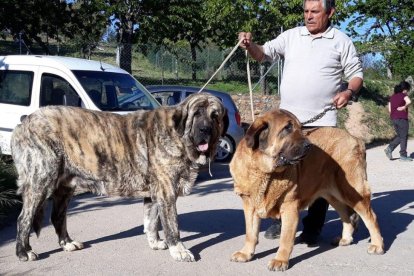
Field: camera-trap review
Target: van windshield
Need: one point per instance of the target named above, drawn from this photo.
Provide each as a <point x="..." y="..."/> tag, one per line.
<point x="115" y="91"/>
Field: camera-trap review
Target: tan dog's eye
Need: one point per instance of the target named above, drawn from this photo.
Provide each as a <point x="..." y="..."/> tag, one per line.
<point x="289" y="126"/>
<point x="287" y="129"/>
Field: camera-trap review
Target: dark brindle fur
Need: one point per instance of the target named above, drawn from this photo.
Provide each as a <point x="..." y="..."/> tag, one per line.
<point x="151" y="154"/>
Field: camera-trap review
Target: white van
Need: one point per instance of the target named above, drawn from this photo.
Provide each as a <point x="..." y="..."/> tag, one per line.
<point x="30" y="82"/>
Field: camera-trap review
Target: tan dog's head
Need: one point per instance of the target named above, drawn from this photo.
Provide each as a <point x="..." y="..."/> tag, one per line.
<point x="276" y="140"/>
<point x="201" y="119"/>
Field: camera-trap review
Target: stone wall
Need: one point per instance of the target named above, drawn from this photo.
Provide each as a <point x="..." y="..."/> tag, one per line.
<point x="260" y="104"/>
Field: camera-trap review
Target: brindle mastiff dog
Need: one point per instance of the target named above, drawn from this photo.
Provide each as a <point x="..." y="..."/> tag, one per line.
<point x="275" y="179"/>
<point x="151" y="154"/>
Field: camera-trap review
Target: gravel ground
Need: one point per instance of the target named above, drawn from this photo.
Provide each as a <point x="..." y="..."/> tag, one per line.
<point x="212" y="227"/>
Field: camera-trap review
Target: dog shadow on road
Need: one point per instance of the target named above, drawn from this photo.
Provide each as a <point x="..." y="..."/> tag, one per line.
<point x="392" y="208"/>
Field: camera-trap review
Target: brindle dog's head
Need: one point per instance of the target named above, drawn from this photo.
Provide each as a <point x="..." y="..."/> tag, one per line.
<point x="276" y="140"/>
<point x="201" y="120"/>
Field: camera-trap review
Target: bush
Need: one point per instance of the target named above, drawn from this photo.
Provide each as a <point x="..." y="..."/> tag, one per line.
<point x="9" y="201"/>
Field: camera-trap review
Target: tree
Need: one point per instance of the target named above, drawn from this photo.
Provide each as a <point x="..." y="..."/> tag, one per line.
<point x="265" y="19"/>
<point x="127" y="16"/>
<point x="36" y="21"/>
<point x="389" y="28"/>
<point x="183" y="20"/>
<point x="42" y="21"/>
<point x="89" y="23"/>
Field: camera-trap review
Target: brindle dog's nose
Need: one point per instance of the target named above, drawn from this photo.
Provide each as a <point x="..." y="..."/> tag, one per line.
<point x="205" y="130"/>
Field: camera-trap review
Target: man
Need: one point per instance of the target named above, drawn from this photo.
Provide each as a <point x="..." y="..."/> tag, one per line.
<point x="316" y="57"/>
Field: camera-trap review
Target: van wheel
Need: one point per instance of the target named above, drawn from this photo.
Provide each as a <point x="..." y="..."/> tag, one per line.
<point x="225" y="149"/>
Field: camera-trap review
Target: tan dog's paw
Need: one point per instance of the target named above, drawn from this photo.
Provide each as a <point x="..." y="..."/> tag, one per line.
<point x="375" y="249"/>
<point x="277" y="265"/>
<point x="341" y="242"/>
<point x="241" y="257"/>
<point x="181" y="254"/>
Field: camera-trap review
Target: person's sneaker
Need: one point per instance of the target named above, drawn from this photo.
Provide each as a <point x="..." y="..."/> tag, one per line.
<point x="273" y="232"/>
<point x="388" y="152"/>
<point x="405" y="159"/>
<point x="309" y="239"/>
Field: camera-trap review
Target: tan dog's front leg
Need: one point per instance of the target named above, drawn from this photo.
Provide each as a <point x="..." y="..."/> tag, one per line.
<point x="252" y="233"/>
<point x="290" y="218"/>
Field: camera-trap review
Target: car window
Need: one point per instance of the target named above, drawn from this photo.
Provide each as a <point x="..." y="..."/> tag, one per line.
<point x="188" y="94"/>
<point x="16" y="87"/>
<point x="112" y="91"/>
<point x="54" y="90"/>
<point x="167" y="97"/>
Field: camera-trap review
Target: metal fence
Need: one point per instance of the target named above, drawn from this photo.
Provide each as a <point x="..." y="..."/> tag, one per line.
<point x="159" y="65"/>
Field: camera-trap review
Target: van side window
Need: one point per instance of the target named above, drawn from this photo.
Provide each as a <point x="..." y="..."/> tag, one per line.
<point x="16" y="87"/>
<point x="55" y="90"/>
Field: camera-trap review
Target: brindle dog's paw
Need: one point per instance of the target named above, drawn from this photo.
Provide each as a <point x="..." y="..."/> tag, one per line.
<point x="71" y="246"/>
<point x="375" y="249"/>
<point x="28" y="256"/>
<point x="181" y="254"/>
<point x="241" y="257"/>
<point x="157" y="244"/>
<point x="277" y="265"/>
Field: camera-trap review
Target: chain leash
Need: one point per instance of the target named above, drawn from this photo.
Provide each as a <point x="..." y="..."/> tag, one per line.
<point x="320" y="115"/>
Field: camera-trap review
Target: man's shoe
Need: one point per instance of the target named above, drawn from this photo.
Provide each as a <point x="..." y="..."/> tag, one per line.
<point x="273" y="232"/>
<point x="310" y="239"/>
<point x="405" y="159"/>
<point x="388" y="152"/>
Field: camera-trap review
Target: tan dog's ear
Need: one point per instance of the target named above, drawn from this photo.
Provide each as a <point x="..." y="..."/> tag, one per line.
<point x="254" y="131"/>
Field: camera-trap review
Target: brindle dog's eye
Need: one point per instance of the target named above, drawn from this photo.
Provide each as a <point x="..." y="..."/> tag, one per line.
<point x="198" y="112"/>
<point x="214" y="115"/>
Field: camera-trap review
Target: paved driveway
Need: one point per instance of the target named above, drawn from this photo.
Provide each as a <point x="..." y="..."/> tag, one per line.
<point x="212" y="227"/>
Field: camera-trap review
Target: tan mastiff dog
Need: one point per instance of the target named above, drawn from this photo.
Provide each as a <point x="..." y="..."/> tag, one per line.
<point x="278" y="170"/>
<point x="152" y="154"/>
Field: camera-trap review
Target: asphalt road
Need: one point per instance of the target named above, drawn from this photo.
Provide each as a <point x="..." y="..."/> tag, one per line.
<point x="212" y="227"/>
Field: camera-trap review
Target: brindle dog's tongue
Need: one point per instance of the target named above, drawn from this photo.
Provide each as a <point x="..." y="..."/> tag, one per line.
<point x="202" y="147"/>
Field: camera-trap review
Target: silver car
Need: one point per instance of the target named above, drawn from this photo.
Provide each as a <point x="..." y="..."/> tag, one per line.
<point x="174" y="94"/>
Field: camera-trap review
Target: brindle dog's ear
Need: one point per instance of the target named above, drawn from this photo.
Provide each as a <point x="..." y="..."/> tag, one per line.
<point x="179" y="118"/>
<point x="253" y="135"/>
<point x="226" y="122"/>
